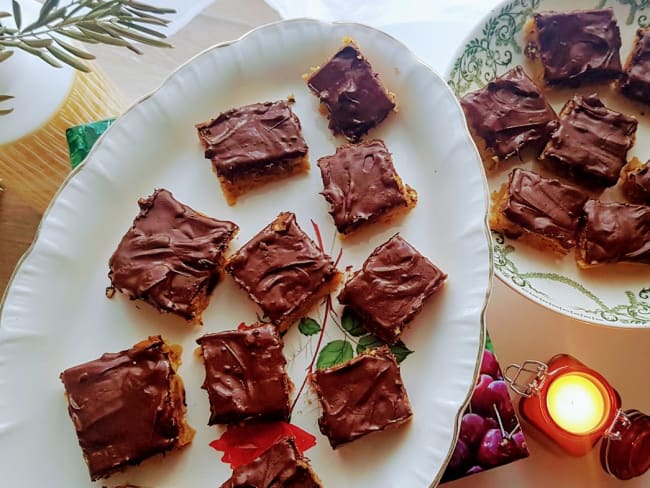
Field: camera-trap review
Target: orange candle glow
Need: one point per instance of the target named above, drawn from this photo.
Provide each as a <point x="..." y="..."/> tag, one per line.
<point x="576" y="403"/>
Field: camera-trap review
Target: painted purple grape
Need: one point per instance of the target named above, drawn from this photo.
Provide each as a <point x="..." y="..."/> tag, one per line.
<point x="472" y="429"/>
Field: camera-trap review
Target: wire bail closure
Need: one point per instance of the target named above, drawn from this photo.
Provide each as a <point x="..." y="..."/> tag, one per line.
<point x="526" y="379"/>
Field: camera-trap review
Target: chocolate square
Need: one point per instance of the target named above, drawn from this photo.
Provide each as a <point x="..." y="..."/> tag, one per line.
<point x="171" y="257"/>
<point x="509" y="114"/>
<point x="362" y="186"/>
<point x="635" y="178"/>
<point x="353" y="94"/>
<point x="614" y="232"/>
<point x="245" y="375"/>
<point x="391" y="287"/>
<point x="544" y="207"/>
<point x="127" y="406"/>
<point x="283" y="271"/>
<point x="591" y="141"/>
<point x="280" y="466"/>
<point x="363" y="395"/>
<point x="579" y="46"/>
<point x="254" y="144"/>
<point x="636" y="81"/>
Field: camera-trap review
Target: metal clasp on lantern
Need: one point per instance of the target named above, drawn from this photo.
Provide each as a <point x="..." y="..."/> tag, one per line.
<point x="526" y="379"/>
<point x="618" y="427"/>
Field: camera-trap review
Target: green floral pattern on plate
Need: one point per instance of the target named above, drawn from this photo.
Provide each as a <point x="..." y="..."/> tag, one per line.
<point x="483" y="58"/>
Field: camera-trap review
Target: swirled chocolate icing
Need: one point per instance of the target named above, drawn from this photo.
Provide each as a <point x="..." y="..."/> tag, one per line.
<point x="578" y="46"/>
<point x="364" y="395"/>
<point x="253" y="138"/>
<point x="509" y="113"/>
<point x="615" y="232"/>
<point x="171" y="256"/>
<point x="391" y="287"/>
<point x="280" y="466"/>
<point x="591" y="141"/>
<point x="545" y="206"/>
<point x="244" y="375"/>
<point x="352" y="93"/>
<point x="123" y="406"/>
<point x="636" y="82"/>
<point x="635" y="178"/>
<point x="281" y="268"/>
<point x="360" y="183"/>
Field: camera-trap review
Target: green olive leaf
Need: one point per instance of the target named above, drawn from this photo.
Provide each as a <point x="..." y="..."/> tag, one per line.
<point x="335" y="352"/>
<point x="400" y="351"/>
<point x="352" y="323"/>
<point x="18" y="18"/>
<point x="308" y="326"/>
<point x="368" y="342"/>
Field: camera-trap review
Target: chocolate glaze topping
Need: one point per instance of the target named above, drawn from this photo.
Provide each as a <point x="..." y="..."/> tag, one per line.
<point x="391" y="288"/>
<point x="615" y="232"/>
<point x="364" y="395"/>
<point x="579" y="46"/>
<point x="281" y="267"/>
<point x="545" y="206"/>
<point x="641" y="181"/>
<point x="590" y="140"/>
<point x="250" y="138"/>
<point x="360" y="183"/>
<point x="509" y="113"/>
<point x="280" y="466"/>
<point x="636" y="82"/>
<point x="122" y="407"/>
<point x="352" y="92"/>
<point x="244" y="375"/>
<point x="171" y="255"/>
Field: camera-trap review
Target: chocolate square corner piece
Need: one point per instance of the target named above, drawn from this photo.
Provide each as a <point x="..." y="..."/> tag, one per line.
<point x="591" y="141"/>
<point x="508" y="115"/>
<point x="245" y="375"/>
<point x="635" y="178"/>
<point x="614" y="232"/>
<point x="283" y="271"/>
<point x="171" y="257"/>
<point x="253" y="145"/>
<point x="362" y="185"/>
<point x="281" y="465"/>
<point x="127" y="406"/>
<point x="391" y="288"/>
<point x="541" y="211"/>
<point x="578" y="46"/>
<point x="636" y="79"/>
<point x="363" y="395"/>
<point x="351" y="91"/>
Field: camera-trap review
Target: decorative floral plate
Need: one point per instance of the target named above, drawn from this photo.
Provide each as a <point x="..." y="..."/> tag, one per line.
<point x="612" y="295"/>
<point x="55" y="313"/>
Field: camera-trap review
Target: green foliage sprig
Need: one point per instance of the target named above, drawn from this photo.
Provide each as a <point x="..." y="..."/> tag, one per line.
<point x="114" y="22"/>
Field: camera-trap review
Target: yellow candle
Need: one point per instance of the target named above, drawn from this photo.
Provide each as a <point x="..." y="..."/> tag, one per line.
<point x="576" y="403"/>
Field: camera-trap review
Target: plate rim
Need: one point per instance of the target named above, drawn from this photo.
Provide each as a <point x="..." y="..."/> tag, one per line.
<point x="224" y="44"/>
<point x="595" y="321"/>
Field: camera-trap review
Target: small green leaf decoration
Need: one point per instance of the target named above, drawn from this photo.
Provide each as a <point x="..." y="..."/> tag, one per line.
<point x="308" y="326"/>
<point x="18" y="18"/>
<point x="400" y="351"/>
<point x="351" y="323"/>
<point x="368" y="342"/>
<point x="335" y="352"/>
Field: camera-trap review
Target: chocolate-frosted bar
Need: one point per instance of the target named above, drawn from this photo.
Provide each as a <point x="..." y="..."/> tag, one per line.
<point x="391" y="287"/>
<point x="245" y="375"/>
<point x="614" y="232"/>
<point x="508" y="115"/>
<point x="544" y="211"/>
<point x="254" y="144"/>
<point x="635" y="177"/>
<point x="636" y="80"/>
<point x="363" y="395"/>
<point x="283" y="270"/>
<point x="362" y="186"/>
<point x="355" y="98"/>
<point x="578" y="46"/>
<point x="171" y="257"/>
<point x="591" y="141"/>
<point x="127" y="406"/>
<point x="280" y="466"/>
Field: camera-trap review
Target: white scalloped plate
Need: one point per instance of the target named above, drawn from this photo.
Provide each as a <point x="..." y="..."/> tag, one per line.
<point x="55" y="314"/>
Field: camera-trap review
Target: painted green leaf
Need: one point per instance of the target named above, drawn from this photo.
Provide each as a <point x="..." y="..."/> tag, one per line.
<point x="15" y="6"/>
<point x="308" y="326"/>
<point x="368" y="342"/>
<point x="400" y="351"/>
<point x="335" y="352"/>
<point x="352" y="323"/>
